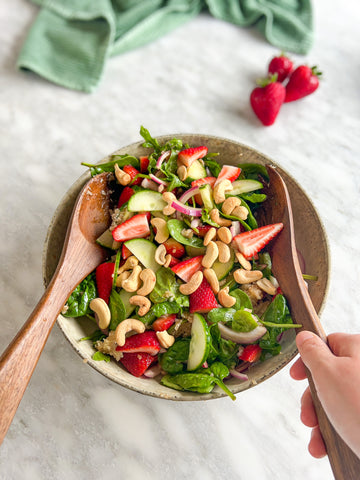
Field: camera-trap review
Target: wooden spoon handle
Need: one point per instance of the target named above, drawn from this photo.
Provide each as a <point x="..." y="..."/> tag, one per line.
<point x="18" y="361"/>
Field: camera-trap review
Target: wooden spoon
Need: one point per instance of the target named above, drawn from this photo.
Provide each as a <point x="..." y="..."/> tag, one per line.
<point x="80" y="255"/>
<point x="277" y="208"/>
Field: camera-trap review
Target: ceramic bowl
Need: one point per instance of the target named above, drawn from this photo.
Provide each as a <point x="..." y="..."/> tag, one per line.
<point x="314" y="249"/>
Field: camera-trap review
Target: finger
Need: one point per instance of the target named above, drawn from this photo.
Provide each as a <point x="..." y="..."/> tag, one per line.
<point x="316" y="445"/>
<point x="314" y="352"/>
<point x="344" y="344"/>
<point x="298" y="370"/>
<point x="308" y="414"/>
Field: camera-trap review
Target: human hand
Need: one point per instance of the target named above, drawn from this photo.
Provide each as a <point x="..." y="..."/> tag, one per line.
<point x="336" y="375"/>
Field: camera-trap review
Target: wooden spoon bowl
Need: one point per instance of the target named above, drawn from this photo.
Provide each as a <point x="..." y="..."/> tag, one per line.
<point x="314" y="251"/>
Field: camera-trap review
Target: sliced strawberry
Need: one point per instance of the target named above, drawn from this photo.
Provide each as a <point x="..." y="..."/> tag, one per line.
<point x="137" y="363"/>
<point x="125" y="195"/>
<point x="203" y="229"/>
<point x="135" y="227"/>
<point x="203" y="299"/>
<point x="144" y="163"/>
<point x="125" y="252"/>
<point x="174" y="261"/>
<point x="174" y="248"/>
<point x="104" y="280"/>
<point x="164" y="322"/>
<point x="146" y="342"/>
<point x="228" y="172"/>
<point x="202" y="181"/>
<point x="250" y="243"/>
<point x="251" y="353"/>
<point x="189" y="155"/>
<point x="132" y="171"/>
<point x="186" y="269"/>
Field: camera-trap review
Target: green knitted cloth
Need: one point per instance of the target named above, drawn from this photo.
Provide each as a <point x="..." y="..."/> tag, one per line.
<point x="71" y="40"/>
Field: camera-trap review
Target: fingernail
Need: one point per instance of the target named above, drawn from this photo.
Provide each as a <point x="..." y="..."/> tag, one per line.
<point x="301" y="337"/>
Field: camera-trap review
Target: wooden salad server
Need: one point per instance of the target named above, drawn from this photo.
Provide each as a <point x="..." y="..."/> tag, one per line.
<point x="277" y="208"/>
<point x="79" y="257"/>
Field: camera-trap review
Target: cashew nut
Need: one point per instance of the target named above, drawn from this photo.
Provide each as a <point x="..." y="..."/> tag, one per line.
<point x="193" y="284"/>
<point x="167" y="260"/>
<point x="122" y="177"/>
<point x="182" y="172"/>
<point x="142" y="302"/>
<point x="215" y="217"/>
<point x="224" y="252"/>
<point x="160" y="254"/>
<point x="126" y="326"/>
<point x="224" y="235"/>
<point x="168" y="197"/>
<point x="210" y="235"/>
<point x="229" y="204"/>
<point x="220" y="189"/>
<point x="149" y="280"/>
<point x="242" y="260"/>
<point x="162" y="231"/>
<point x="240" y="212"/>
<point x="165" y="339"/>
<point x="266" y="286"/>
<point x="102" y="312"/>
<point x="211" y="255"/>
<point x="211" y="277"/>
<point x="187" y="232"/>
<point x="132" y="283"/>
<point x="225" y="299"/>
<point x="129" y="264"/>
<point x="242" y="276"/>
<point x="122" y="277"/>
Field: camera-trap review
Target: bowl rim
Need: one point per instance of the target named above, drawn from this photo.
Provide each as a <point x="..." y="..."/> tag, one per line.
<point x="174" y="394"/>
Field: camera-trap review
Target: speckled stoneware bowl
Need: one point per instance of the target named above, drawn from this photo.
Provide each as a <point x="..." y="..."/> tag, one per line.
<point x="314" y="249"/>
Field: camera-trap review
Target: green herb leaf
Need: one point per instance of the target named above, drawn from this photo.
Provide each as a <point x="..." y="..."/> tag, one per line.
<point x="99" y="356"/>
<point x="79" y="301"/>
<point x="176" y="227"/>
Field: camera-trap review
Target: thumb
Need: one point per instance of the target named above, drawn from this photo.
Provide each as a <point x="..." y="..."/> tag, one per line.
<point x="313" y="351"/>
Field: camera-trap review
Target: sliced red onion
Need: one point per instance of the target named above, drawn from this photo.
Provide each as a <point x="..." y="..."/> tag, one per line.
<point x="180" y="207"/>
<point x="242" y="337"/>
<point x="162" y="157"/>
<point x="239" y="375"/>
<point x="235" y="228"/>
<point x="151" y="185"/>
<point x="153" y="371"/>
<point x="188" y="194"/>
<point x="157" y="180"/>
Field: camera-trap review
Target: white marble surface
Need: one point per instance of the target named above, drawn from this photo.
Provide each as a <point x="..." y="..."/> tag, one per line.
<point x="74" y="424"/>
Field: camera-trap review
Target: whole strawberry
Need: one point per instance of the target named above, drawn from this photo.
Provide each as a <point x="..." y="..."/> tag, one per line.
<point x="282" y="65"/>
<point x="303" y="81"/>
<point x="266" y="100"/>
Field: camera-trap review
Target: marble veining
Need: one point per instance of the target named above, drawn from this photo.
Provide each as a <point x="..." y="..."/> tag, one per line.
<point x="75" y="424"/>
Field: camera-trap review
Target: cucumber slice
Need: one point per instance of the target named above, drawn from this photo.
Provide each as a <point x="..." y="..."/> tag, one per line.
<point x="144" y="251"/>
<point x="194" y="251"/>
<point x="125" y="297"/>
<point x="222" y="269"/>
<point x="206" y="197"/>
<point x="196" y="171"/>
<point x="106" y="239"/>
<point x="146" y="201"/>
<point x="199" y="343"/>
<point x="244" y="186"/>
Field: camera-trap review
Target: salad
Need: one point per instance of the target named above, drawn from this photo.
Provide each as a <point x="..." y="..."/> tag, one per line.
<point x="187" y="294"/>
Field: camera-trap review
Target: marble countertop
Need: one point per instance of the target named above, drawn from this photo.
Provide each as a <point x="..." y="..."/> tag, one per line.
<point x="75" y="424"/>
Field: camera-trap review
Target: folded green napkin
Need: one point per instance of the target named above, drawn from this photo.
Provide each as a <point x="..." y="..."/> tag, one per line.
<point x="71" y="40"/>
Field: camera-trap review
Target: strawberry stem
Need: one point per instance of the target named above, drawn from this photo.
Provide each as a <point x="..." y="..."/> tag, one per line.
<point x="263" y="82"/>
<point x="315" y="71"/>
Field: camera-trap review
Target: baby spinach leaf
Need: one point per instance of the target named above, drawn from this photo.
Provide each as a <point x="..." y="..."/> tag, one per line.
<point x="220" y="349"/>
<point x="175" y="358"/>
<point x="243" y="321"/>
<point x="79" y="301"/>
<point x="176" y="227"/>
<point x="213" y="166"/>
<point x="252" y="170"/>
<point x="166" y="287"/>
<point x="221" y="315"/>
<point x="98" y="356"/>
<point x="192" y="382"/>
<point x="277" y="313"/>
<point x="221" y="371"/>
<point x="265" y="259"/>
<point x="117" y="310"/>
<point x="242" y="299"/>
<point x="158" y="310"/>
<point x="94" y="337"/>
<point x="205" y="217"/>
<point x="253" y="197"/>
